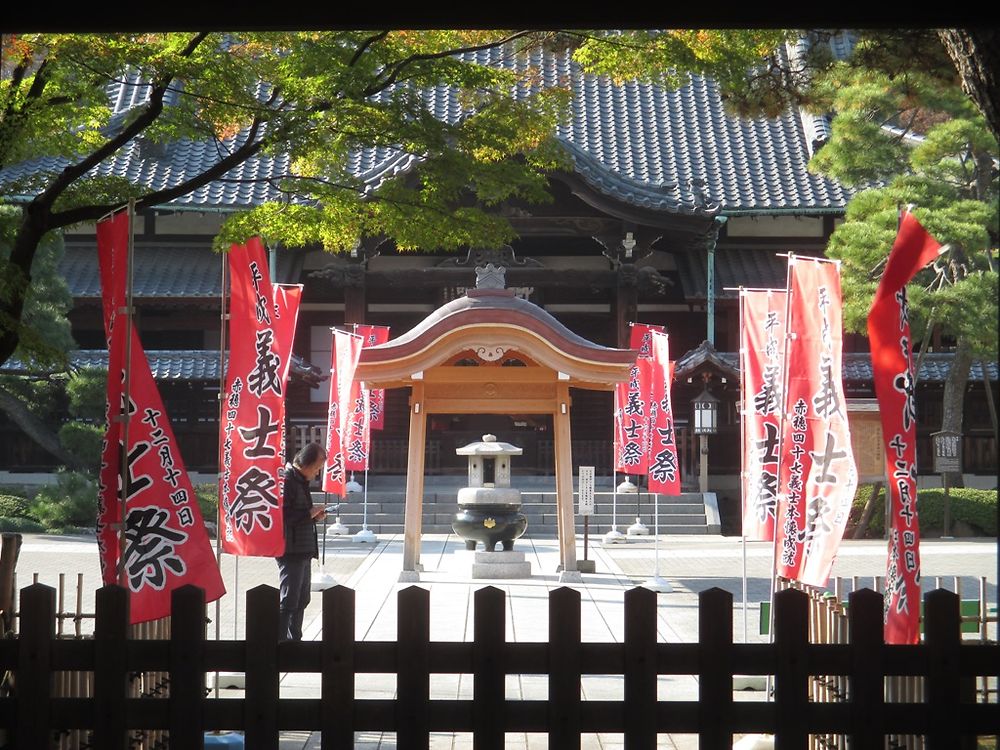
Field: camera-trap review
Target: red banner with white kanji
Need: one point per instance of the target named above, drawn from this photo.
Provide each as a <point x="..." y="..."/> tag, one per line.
<point x="346" y="352"/>
<point x="365" y="405"/>
<point x="262" y="320"/>
<point x="818" y="476"/>
<point x="631" y="407"/>
<point x="892" y="369"/>
<point x="373" y="336"/>
<point x="762" y="347"/>
<point x="166" y="544"/>
<point x="663" y="469"/>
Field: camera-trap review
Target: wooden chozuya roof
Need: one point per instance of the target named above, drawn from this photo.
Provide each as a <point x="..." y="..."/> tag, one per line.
<point x="492" y="325"/>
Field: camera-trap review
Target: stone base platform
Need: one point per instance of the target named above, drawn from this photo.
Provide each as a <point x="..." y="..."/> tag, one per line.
<point x="500" y="564"/>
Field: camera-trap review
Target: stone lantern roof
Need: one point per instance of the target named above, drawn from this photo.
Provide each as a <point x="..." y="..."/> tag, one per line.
<point x="489" y="446"/>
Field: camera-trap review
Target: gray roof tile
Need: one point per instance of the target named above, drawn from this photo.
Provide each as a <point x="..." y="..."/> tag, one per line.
<point x="160" y="271"/>
<point x="858" y="366"/>
<point x="174" y="364"/>
<point x="626" y="140"/>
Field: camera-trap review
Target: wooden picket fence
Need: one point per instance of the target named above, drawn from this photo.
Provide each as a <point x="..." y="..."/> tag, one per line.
<point x="829" y="623"/>
<point x="948" y="716"/>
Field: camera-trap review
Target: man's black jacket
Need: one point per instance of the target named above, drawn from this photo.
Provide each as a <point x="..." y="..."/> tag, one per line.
<point x="300" y="528"/>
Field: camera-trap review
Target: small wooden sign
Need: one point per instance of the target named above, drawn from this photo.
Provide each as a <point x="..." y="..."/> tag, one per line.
<point x="586" y="491"/>
<point x="946" y="447"/>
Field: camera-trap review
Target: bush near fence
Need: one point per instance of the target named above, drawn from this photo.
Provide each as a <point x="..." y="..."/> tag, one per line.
<point x="976" y="508"/>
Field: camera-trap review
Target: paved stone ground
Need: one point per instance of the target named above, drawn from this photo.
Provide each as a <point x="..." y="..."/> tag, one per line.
<point x="691" y="564"/>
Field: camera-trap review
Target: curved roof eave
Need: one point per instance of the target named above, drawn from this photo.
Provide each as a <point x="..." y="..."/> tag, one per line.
<point x="497" y="319"/>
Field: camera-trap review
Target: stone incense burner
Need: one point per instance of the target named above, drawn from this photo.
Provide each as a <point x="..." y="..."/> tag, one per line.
<point x="489" y="508"/>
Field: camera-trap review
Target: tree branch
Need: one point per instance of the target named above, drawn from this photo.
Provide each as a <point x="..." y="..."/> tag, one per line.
<point x="143" y="121"/>
<point x="365" y="45"/>
<point x="237" y="157"/>
<point x="392" y="72"/>
<point x="34" y="428"/>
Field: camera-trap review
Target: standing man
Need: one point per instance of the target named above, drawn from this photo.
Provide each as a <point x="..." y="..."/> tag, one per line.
<point x="294" y="566"/>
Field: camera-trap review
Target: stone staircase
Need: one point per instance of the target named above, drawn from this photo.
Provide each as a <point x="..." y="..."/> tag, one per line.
<point x="688" y="513"/>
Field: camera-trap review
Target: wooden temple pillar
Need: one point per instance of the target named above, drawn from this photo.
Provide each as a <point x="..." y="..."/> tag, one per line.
<point x="355" y="302"/>
<point x="564" y="486"/>
<point x="626" y="305"/>
<point x="413" y="513"/>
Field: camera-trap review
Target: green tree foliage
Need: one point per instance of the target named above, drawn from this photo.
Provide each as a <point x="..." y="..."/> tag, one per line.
<point x="903" y="132"/>
<point x="316" y="96"/>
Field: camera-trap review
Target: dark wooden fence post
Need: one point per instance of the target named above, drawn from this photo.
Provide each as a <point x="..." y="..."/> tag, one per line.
<point x="715" y="684"/>
<point x="488" y="657"/>
<point x="413" y="668"/>
<point x="111" y="667"/>
<point x="945" y="690"/>
<point x="187" y="667"/>
<point x="33" y="679"/>
<point x="866" y="691"/>
<point x="564" y="668"/>
<point x="791" y="672"/>
<point x="640" y="669"/>
<point x="260" y="714"/>
<point x="338" y="668"/>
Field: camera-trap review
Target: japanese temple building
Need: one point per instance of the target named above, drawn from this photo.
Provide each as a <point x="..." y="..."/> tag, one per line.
<point x="670" y="205"/>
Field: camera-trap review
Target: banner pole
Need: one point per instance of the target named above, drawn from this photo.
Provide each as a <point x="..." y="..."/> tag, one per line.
<point x="236" y="599"/>
<point x="126" y="396"/>
<point x="743" y="456"/>
<point x="364" y="503"/>
<point x="220" y="468"/>
<point x="781" y="433"/>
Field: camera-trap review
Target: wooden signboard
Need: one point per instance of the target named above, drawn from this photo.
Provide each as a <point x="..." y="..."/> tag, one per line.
<point x="866" y="439"/>
<point x="946" y="448"/>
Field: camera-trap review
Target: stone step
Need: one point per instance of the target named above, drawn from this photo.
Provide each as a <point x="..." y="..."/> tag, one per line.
<point x="596" y="530"/>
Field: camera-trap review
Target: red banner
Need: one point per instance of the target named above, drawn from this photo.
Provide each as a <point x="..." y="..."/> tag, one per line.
<point x="344" y="360"/>
<point x="762" y="347"/>
<point x="892" y="368"/>
<point x="818" y="476"/>
<point x="664" y="471"/>
<point x="166" y="544"/>
<point x="364" y="406"/>
<point x="373" y="336"/>
<point x="261" y="329"/>
<point x="632" y="405"/>
<point x="631" y="415"/>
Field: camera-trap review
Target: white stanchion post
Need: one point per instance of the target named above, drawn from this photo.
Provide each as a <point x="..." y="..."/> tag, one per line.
<point x="320" y="579"/>
<point x="657" y="583"/>
<point x="638" y="528"/>
<point x="614" y="536"/>
<point x="366" y="535"/>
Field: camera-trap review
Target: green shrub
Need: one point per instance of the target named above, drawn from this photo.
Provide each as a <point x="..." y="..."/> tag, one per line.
<point x="978" y="508"/>
<point x="208" y="501"/>
<point x="70" y="503"/>
<point x="21" y="526"/>
<point x="13" y="506"/>
<point x="83" y="441"/>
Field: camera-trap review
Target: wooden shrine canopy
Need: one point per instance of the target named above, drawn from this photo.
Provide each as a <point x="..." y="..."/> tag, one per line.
<point x="491" y="353"/>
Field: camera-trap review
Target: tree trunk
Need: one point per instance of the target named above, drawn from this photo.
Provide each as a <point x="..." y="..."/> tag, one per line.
<point x="954" y="397"/>
<point x="866" y="515"/>
<point x="975" y="52"/>
<point x="35" y="429"/>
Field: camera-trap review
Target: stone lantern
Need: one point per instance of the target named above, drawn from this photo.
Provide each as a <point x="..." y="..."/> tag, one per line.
<point x="489" y="508"/>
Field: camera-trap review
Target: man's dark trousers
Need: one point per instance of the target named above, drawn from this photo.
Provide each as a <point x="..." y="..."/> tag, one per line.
<point x="294" y="577"/>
